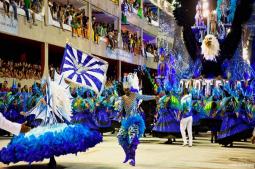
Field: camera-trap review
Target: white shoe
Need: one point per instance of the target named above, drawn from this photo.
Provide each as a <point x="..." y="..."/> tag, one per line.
<point x="190" y="145"/>
<point x="184" y="145"/>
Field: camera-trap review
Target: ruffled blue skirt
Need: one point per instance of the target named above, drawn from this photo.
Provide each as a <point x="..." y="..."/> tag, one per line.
<point x="115" y="119"/>
<point x="196" y="119"/>
<point x="134" y="120"/>
<point x="14" y="116"/>
<point x="45" y="142"/>
<point x="167" y="124"/>
<point x="84" y="118"/>
<point x="233" y="129"/>
<point x="103" y="120"/>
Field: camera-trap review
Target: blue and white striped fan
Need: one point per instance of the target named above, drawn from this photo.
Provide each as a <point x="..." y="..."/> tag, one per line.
<point x="84" y="69"/>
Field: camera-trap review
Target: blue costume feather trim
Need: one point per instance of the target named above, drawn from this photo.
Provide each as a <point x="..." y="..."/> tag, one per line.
<point x="58" y="140"/>
<point x="135" y="119"/>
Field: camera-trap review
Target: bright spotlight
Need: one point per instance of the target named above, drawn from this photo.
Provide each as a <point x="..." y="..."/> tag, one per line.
<point x="205" y="5"/>
<point x="205" y="13"/>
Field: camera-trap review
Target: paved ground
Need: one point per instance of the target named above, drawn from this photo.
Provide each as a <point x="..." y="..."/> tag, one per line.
<point x="154" y="154"/>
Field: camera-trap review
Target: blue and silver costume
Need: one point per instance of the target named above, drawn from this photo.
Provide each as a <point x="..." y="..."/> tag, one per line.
<point x="132" y="125"/>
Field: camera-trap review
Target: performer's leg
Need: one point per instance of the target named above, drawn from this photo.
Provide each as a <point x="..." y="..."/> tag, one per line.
<point x="127" y="153"/>
<point x="212" y="135"/>
<point x="52" y="164"/>
<point x="215" y="137"/>
<point x="189" y="128"/>
<point x="133" y="148"/>
<point x="169" y="141"/>
<point x="183" y="126"/>
<point x="123" y="141"/>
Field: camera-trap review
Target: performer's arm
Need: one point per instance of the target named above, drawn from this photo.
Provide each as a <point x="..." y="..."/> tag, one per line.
<point x="120" y="107"/>
<point x="9" y="126"/>
<point x="146" y="97"/>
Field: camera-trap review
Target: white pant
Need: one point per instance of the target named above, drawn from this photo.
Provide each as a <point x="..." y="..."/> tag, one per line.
<point x="186" y="123"/>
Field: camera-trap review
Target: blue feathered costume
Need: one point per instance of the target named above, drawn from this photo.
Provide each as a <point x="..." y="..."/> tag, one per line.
<point x="236" y="123"/>
<point x="54" y="137"/>
<point x="167" y="124"/>
<point x="132" y="125"/>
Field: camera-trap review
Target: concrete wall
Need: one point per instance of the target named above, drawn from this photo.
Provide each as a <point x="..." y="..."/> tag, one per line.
<point x="107" y="6"/>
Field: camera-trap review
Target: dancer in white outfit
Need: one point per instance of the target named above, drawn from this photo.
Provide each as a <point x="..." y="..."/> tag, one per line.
<point x="185" y="115"/>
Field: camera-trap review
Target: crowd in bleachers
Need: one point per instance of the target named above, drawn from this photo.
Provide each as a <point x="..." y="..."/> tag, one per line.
<point x="132" y="5"/>
<point x="19" y="70"/>
<point x="105" y="31"/>
<point x="133" y="43"/>
<point x="31" y="7"/>
<point x="69" y="15"/>
<point x="150" y="14"/>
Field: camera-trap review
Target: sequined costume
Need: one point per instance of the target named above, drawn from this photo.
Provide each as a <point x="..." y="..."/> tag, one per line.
<point x="132" y="125"/>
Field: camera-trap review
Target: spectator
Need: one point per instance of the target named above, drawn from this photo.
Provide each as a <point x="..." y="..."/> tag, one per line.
<point x="27" y="9"/>
<point x="6" y="5"/>
<point x="84" y="24"/>
<point x="60" y="16"/>
<point x="20" y="70"/>
<point x="5" y="87"/>
<point x="14" y="7"/>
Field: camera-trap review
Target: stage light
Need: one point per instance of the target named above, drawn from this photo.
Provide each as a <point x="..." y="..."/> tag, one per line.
<point x="205" y="13"/>
<point x="246" y="55"/>
<point x="205" y="5"/>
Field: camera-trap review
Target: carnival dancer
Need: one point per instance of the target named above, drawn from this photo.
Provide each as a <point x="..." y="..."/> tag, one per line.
<point x="167" y="124"/>
<point x="196" y="110"/>
<point x="235" y="125"/>
<point x="83" y="109"/>
<point x="116" y="100"/>
<point x="55" y="136"/>
<point x="215" y="122"/>
<point x="185" y="115"/>
<point x="212" y="109"/>
<point x="13" y="106"/>
<point x="132" y="125"/>
<point x="103" y="112"/>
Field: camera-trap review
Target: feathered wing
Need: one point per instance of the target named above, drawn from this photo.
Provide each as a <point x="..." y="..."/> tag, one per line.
<point x="184" y="15"/>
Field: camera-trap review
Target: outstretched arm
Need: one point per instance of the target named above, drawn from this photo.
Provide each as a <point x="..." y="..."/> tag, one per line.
<point x="9" y="126"/>
<point x="146" y="97"/>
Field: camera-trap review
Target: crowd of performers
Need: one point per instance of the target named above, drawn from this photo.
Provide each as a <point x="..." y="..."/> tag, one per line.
<point x="96" y="114"/>
<point x="226" y="109"/>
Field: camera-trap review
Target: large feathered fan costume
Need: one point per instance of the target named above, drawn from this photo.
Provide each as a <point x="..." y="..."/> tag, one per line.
<point x="184" y="13"/>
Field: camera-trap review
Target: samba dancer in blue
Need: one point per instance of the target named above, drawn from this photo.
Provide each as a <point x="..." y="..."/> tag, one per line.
<point x="132" y="125"/>
<point x="236" y="121"/>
